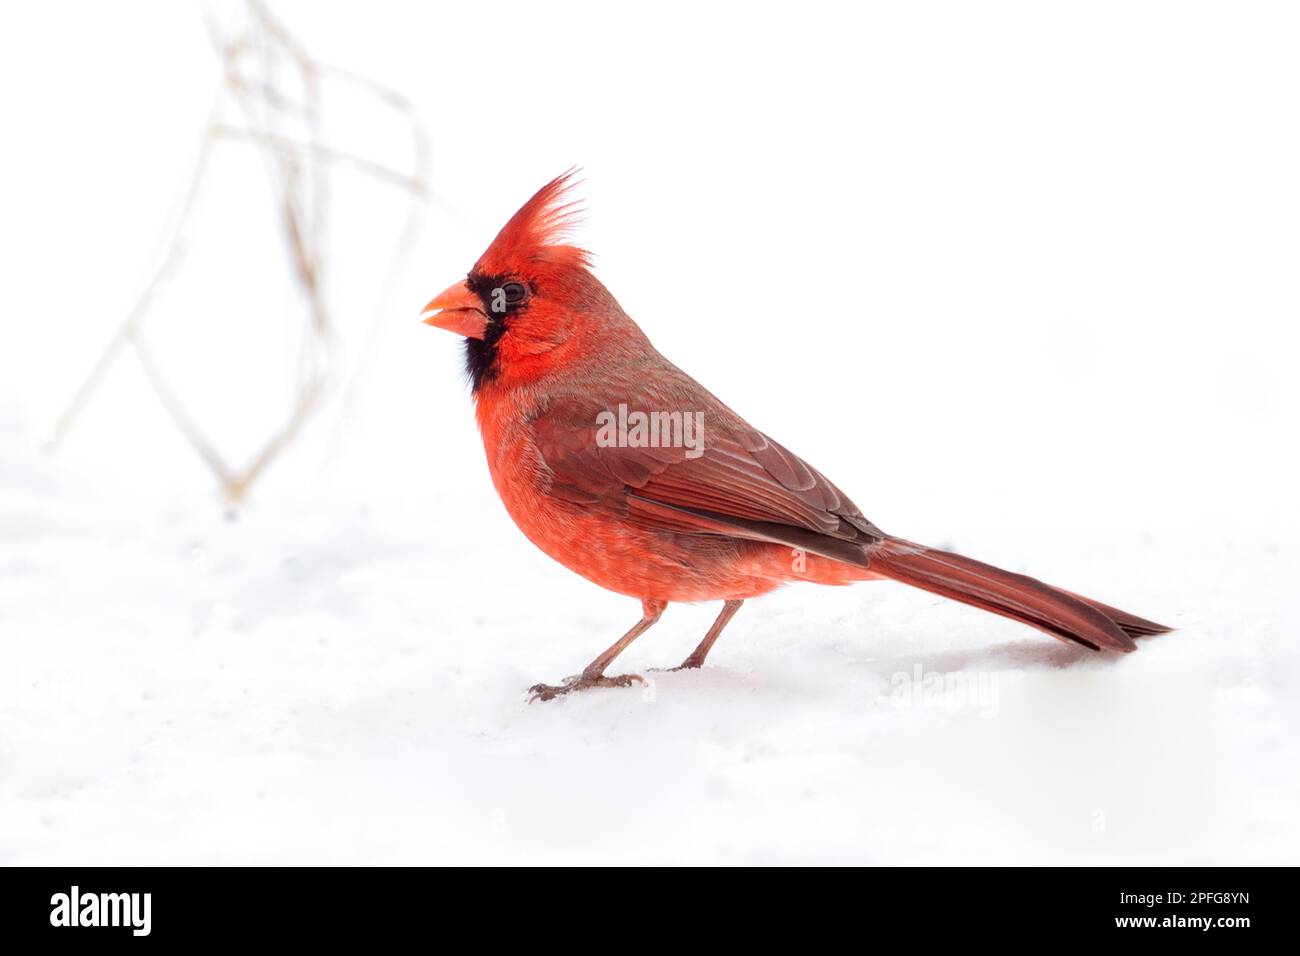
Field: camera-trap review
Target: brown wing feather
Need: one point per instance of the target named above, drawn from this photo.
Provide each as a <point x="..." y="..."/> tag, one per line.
<point x="742" y="484"/>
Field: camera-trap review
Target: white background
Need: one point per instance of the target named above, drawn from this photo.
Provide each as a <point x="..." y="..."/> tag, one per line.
<point x="1021" y="278"/>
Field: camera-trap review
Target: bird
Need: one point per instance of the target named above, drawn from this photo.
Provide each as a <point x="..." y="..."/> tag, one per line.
<point x="627" y="471"/>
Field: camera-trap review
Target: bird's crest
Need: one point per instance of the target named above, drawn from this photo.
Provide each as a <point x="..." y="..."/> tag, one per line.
<point x="536" y="233"/>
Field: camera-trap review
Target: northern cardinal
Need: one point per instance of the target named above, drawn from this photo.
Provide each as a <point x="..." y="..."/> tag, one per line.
<point x="626" y="470"/>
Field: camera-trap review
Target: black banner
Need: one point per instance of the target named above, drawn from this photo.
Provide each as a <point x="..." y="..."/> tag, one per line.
<point x="136" y="907"/>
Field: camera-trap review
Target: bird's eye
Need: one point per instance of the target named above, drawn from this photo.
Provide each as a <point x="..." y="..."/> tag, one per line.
<point x="515" y="292"/>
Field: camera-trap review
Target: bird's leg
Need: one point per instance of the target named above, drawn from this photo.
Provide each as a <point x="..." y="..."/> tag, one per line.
<point x="696" y="658"/>
<point x="594" y="673"/>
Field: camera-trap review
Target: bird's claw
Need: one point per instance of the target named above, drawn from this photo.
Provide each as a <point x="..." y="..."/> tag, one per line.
<point x="581" y="682"/>
<point x="686" y="665"/>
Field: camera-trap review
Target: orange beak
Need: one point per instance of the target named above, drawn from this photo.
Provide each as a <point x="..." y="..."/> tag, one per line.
<point x="458" y="310"/>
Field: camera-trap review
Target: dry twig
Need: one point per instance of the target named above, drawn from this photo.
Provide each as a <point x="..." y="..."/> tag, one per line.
<point x="255" y="61"/>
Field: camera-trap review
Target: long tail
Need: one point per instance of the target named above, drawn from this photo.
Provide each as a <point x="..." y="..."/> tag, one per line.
<point x="1062" y="614"/>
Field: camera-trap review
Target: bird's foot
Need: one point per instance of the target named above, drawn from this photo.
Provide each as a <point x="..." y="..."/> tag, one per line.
<point x="581" y="682"/>
<point x="690" y="664"/>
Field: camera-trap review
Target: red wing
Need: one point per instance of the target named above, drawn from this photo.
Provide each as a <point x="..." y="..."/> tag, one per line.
<point x="735" y="480"/>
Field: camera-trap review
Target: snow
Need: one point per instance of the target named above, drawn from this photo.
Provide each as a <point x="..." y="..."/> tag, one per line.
<point x="334" y="680"/>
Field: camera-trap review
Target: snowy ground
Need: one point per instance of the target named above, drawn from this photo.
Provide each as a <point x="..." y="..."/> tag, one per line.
<point x="326" y="680"/>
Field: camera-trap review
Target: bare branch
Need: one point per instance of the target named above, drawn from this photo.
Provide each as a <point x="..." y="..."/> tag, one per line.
<point x="254" y="60"/>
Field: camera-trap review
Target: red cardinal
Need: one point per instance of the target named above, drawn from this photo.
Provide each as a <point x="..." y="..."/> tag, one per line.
<point x="626" y="470"/>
